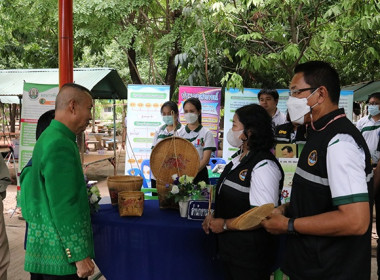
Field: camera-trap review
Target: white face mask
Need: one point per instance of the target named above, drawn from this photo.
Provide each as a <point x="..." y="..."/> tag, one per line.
<point x="233" y="138"/>
<point x="373" y="110"/>
<point x="298" y="108"/>
<point x="191" y="118"/>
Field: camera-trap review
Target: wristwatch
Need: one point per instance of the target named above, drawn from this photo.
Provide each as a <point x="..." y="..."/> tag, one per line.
<point x="225" y="225"/>
<point x="291" y="229"/>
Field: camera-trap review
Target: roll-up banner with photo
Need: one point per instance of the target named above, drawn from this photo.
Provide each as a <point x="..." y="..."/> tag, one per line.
<point x="210" y="98"/>
<point x="234" y="99"/>
<point x="37" y="99"/>
<point x="143" y="117"/>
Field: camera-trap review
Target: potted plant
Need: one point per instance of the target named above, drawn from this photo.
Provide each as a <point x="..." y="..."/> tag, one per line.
<point x="183" y="189"/>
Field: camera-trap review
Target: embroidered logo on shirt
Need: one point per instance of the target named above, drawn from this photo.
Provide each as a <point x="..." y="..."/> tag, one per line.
<point x="243" y="174"/>
<point x="313" y="157"/>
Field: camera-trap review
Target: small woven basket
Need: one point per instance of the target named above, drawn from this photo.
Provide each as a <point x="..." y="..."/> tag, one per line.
<point x="131" y="203"/>
<point x="121" y="183"/>
<point x="163" y="200"/>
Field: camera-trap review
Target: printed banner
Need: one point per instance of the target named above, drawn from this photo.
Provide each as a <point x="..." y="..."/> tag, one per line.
<point x="143" y="117"/>
<point x="346" y="102"/>
<point x="234" y="99"/>
<point x="210" y="98"/>
<point x="289" y="165"/>
<point x="37" y="99"/>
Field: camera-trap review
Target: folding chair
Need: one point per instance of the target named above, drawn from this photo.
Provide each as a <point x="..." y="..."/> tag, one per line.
<point x="215" y="161"/>
<point x="137" y="172"/>
<point x="145" y="169"/>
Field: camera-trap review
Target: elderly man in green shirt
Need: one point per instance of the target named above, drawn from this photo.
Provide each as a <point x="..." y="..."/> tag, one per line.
<point x="54" y="199"/>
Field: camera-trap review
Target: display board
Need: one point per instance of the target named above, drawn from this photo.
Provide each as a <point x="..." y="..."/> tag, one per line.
<point x="210" y="98"/>
<point x="37" y="99"/>
<point x="143" y="117"/>
<point x="233" y="100"/>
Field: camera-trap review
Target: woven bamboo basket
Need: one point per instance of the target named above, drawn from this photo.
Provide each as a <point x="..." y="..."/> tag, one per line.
<point x="173" y="155"/>
<point x="121" y="183"/>
<point x="131" y="203"/>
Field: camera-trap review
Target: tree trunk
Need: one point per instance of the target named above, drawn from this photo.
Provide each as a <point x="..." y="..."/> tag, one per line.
<point x="132" y="64"/>
<point x="172" y="69"/>
<point x="12" y="117"/>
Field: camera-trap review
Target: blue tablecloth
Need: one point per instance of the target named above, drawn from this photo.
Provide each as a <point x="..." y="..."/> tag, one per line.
<point x="158" y="245"/>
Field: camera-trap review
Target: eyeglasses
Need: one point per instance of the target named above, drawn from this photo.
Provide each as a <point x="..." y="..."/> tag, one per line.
<point x="295" y="92"/>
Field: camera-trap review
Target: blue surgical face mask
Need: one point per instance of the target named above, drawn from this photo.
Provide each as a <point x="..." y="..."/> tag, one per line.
<point x="373" y="110"/>
<point x="168" y="120"/>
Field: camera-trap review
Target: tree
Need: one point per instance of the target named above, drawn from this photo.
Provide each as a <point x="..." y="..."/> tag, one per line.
<point x="268" y="38"/>
<point x="148" y="33"/>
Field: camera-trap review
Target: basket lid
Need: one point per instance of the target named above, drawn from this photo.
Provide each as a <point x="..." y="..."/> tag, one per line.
<point x="174" y="155"/>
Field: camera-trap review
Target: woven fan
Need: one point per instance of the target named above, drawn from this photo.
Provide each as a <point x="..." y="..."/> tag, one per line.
<point x="252" y="218"/>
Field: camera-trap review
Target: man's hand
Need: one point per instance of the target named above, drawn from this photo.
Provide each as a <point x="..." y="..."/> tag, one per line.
<point x="216" y="225"/>
<point x="85" y="268"/>
<point x="276" y="224"/>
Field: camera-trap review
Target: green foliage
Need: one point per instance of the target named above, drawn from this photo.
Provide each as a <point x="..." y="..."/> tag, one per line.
<point x="240" y="43"/>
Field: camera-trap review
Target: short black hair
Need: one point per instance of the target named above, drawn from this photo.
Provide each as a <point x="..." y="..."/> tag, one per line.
<point x="172" y="105"/>
<point x="288" y="148"/>
<point x="270" y="91"/>
<point x="375" y="95"/>
<point x="197" y="104"/>
<point x="44" y="121"/>
<point x="258" y="123"/>
<point x="320" y="73"/>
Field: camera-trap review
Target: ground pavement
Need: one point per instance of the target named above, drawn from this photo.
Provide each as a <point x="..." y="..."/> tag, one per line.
<point x="99" y="171"/>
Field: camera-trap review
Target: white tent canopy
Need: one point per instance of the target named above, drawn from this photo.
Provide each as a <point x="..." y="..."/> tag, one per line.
<point x="102" y="82"/>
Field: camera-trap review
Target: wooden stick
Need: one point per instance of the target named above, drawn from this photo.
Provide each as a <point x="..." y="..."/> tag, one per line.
<point x="210" y="201"/>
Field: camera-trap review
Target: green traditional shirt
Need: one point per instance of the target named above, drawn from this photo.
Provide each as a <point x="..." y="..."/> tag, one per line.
<point x="54" y="203"/>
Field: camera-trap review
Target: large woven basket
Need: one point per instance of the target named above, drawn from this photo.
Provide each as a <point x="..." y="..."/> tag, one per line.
<point x="173" y="155"/>
<point x="131" y="203"/>
<point x="121" y="183"/>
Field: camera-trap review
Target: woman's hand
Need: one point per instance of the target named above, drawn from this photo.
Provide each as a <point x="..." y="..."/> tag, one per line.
<point x="206" y="224"/>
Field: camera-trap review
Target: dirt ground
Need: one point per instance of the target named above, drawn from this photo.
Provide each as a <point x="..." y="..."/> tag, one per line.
<point x="15" y="226"/>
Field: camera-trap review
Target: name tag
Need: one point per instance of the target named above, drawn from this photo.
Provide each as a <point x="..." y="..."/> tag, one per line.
<point x="198" y="209"/>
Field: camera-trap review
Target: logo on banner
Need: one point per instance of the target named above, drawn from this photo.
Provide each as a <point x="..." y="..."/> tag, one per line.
<point x="33" y="93"/>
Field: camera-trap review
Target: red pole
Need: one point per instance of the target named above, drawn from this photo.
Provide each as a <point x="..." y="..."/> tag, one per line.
<point x="65" y="45"/>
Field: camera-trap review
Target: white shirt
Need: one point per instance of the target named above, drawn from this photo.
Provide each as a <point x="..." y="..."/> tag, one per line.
<point x="201" y="138"/>
<point x="370" y="131"/>
<point x="279" y="118"/>
<point x="265" y="179"/>
<point x="345" y="169"/>
<point x="162" y="133"/>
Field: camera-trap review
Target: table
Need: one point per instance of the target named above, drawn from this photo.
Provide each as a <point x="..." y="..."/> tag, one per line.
<point x="90" y="159"/>
<point x="160" y="245"/>
<point x="98" y="136"/>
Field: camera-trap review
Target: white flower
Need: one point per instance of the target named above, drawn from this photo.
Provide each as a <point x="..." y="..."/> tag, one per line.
<point x="93" y="198"/>
<point x="189" y="179"/>
<point x="175" y="189"/>
<point x="182" y="179"/>
<point x="202" y="184"/>
<point x="94" y="189"/>
<point x="174" y="177"/>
